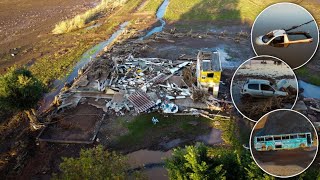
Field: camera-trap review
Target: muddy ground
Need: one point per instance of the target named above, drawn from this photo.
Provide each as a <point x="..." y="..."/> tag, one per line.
<point x="284" y="162"/>
<point x="23" y="22"/>
<point x="111" y="130"/>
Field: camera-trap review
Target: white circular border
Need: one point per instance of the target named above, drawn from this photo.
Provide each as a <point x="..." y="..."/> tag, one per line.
<point x="315" y="155"/>
<point x="303" y="9"/>
<point x="235" y="105"/>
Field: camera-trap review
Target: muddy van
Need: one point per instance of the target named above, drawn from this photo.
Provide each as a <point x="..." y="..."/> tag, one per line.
<point x="262" y="88"/>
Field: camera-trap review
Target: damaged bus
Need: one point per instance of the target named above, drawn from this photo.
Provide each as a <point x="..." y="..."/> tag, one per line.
<point x="283" y="141"/>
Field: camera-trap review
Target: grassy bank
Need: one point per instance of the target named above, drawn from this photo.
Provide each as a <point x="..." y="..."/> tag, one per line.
<point x="61" y="52"/>
<point x="211" y="10"/>
<point x="81" y="20"/>
<point x="305" y="74"/>
<point x="151" y="6"/>
<point x="55" y="65"/>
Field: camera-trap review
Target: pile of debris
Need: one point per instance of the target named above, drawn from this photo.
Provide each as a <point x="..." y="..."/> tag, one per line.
<point x="139" y="84"/>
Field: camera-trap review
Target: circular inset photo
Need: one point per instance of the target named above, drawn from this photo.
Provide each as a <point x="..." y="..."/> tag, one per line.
<point x="262" y="84"/>
<point x="284" y="143"/>
<point x="287" y="31"/>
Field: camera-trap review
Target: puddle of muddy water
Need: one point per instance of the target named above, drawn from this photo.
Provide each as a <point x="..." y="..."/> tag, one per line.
<point x="157" y="173"/>
<point x="85" y="59"/>
<point x="153" y="161"/>
<point x="160" y="13"/>
<point x="310" y="90"/>
<point x="143" y="157"/>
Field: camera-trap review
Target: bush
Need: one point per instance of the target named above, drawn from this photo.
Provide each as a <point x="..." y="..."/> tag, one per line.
<point x="202" y="162"/>
<point x="94" y="163"/>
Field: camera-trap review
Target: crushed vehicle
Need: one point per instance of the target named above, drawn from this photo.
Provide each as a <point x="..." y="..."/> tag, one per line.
<point x="284" y="38"/>
<point x="264" y="88"/>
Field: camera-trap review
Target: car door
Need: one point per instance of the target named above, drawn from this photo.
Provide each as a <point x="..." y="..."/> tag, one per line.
<point x="267" y="90"/>
<point x="254" y="89"/>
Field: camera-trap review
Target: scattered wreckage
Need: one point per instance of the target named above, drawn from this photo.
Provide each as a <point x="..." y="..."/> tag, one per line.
<point x="145" y="85"/>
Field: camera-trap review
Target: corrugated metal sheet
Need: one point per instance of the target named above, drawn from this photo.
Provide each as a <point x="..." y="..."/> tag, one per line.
<point x="141" y="101"/>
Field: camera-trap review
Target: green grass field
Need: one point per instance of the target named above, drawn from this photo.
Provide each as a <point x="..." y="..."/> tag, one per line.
<point x="242" y="10"/>
<point x="312" y="78"/>
<point x="141" y="129"/>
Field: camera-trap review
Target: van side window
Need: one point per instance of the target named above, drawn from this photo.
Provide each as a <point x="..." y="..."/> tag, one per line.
<point x="253" y="86"/>
<point x="265" y="87"/>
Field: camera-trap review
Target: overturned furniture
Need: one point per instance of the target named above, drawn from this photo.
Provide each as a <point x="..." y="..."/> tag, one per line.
<point x="209" y="71"/>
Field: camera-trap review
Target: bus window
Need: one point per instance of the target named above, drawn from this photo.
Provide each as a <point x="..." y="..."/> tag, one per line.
<point x="269" y="139"/>
<point x="277" y="138"/>
<point x="285" y="137"/>
<point x="260" y="139"/>
<point x="293" y="136"/>
<point x="302" y="136"/>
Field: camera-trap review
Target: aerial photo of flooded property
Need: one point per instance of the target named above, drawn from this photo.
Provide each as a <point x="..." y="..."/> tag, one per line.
<point x="139" y="89"/>
<point x="263" y="84"/>
<point x="284" y="143"/>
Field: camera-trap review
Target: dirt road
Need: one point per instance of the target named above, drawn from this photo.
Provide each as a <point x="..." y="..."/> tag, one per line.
<point x="23" y="22"/>
<point x="285" y="162"/>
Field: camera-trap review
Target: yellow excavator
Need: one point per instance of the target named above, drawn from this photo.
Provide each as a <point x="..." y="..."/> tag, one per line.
<point x="284" y="38"/>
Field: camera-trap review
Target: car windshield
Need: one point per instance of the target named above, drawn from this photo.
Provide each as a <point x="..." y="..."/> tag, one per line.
<point x="266" y="38"/>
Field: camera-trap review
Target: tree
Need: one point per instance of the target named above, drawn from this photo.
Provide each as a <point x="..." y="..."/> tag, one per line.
<point x="202" y="162"/>
<point x="20" y="90"/>
<point x="94" y="164"/>
<point x="193" y="163"/>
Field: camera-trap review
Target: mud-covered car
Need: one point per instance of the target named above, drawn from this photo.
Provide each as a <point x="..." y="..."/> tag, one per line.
<point x="263" y="88"/>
